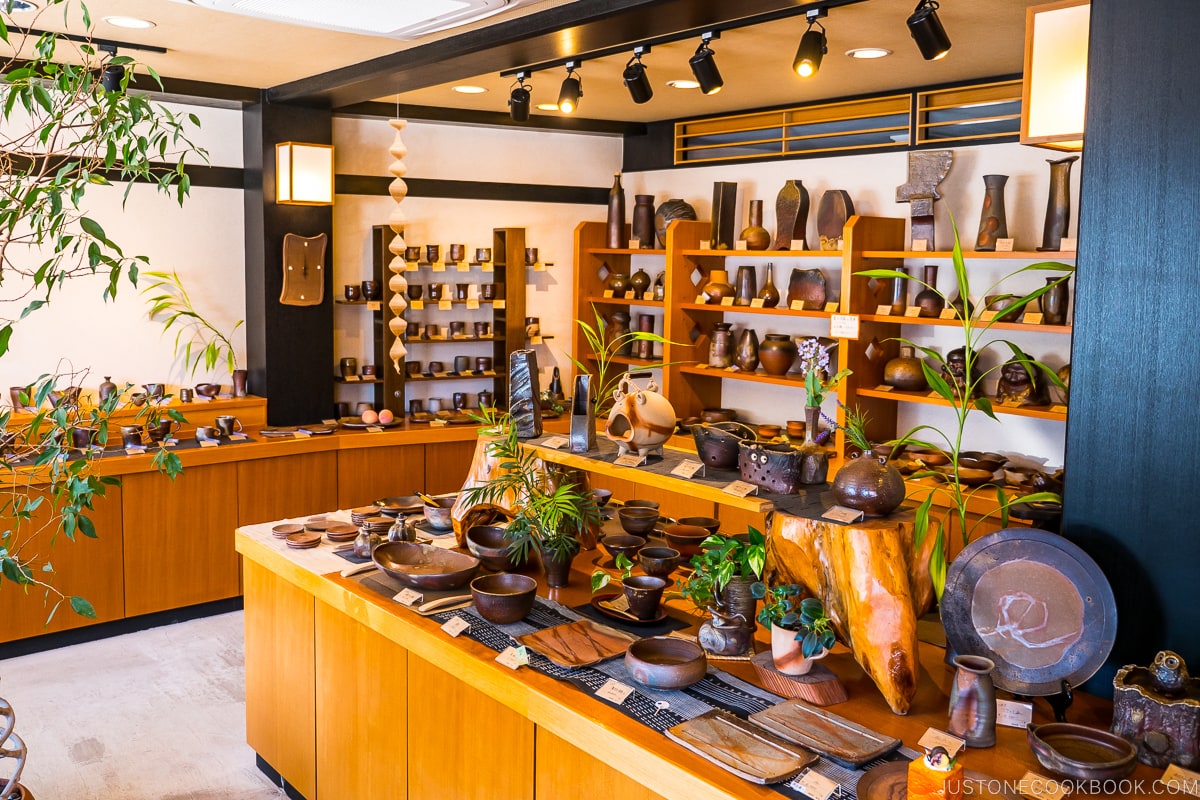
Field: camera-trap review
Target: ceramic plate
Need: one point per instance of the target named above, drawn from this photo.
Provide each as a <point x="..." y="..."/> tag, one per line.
<point x="599" y="601"/>
<point x="286" y="529"/>
<point x="741" y="748"/>
<point x="356" y="423"/>
<point x="578" y="644"/>
<point x="824" y="732"/>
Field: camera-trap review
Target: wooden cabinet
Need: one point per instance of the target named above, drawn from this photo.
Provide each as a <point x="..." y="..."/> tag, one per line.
<point x="369" y="473"/>
<point x="287" y="486"/>
<point x="447" y="465"/>
<point x="565" y="772"/>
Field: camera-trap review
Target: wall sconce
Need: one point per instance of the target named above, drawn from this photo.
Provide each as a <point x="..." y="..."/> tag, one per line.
<point x="304" y="174"/>
<point x="1054" y="87"/>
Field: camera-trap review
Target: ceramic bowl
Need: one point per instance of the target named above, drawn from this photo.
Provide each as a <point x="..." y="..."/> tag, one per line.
<point x="641" y="504"/>
<point x="658" y="561"/>
<point x="628" y="545"/>
<point x="718" y="415"/>
<point x="664" y="662"/>
<point x="685" y="538"/>
<point x="1077" y="751"/>
<point x="710" y="524"/>
<point x="769" y="431"/>
<point x="489" y="543"/>
<point x="601" y="496"/>
<point x="931" y="458"/>
<point x="974" y="459"/>
<point x="208" y="389"/>
<point x="998" y="302"/>
<point x="966" y="475"/>
<point x="503" y="598"/>
<point x="439" y="518"/>
<point x="637" y="521"/>
<point x="425" y="566"/>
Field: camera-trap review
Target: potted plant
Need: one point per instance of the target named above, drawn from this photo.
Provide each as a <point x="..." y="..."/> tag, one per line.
<point x="801" y="633"/>
<point x="868" y="481"/>
<point x="813" y="358"/>
<point x="722" y="573"/>
<point x="549" y="511"/>
<point x="200" y="339"/>
<point x="603" y="351"/>
<point x="643" y="593"/>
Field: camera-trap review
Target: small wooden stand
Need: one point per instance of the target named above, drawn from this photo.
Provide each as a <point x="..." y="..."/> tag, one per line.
<point x="819" y="687"/>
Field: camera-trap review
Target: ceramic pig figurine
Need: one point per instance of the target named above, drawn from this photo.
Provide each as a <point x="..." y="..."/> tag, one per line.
<point x="641" y="419"/>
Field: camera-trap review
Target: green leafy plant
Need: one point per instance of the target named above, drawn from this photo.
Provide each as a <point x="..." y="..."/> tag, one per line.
<point x="549" y="512"/>
<point x="964" y="398"/>
<point x="814" y="630"/>
<point x="601" y="578"/>
<point x="201" y="340"/>
<point x="603" y="351"/>
<point x="720" y="560"/>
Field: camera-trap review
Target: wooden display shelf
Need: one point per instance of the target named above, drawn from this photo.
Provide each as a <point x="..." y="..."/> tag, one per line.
<point x="340" y="379"/>
<point x="795" y="379"/>
<point x="360" y="303"/>
<point x="431" y="305"/>
<point x="451" y="340"/>
<point x="624" y="251"/>
<point x="970" y="255"/>
<point x="1037" y="412"/>
<point x="645" y="363"/>
<point x="777" y="311"/>
<point x="414" y="378"/>
<point x="623" y="301"/>
<point x="763" y="253"/>
<point x="995" y="326"/>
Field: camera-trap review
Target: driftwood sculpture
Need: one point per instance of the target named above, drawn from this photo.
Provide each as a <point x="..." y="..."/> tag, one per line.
<point x="874" y="585"/>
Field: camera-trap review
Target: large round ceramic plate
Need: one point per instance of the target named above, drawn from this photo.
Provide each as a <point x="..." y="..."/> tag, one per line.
<point x="1035" y="604"/>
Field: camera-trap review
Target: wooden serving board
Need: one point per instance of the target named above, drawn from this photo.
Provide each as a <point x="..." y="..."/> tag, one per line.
<point x="741" y="748"/>
<point x="824" y="732"/>
<point x="578" y="644"/>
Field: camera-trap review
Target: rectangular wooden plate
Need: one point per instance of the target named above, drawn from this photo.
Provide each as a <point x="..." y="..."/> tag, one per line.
<point x="819" y="730"/>
<point x="578" y="644"/>
<point x="741" y="748"/>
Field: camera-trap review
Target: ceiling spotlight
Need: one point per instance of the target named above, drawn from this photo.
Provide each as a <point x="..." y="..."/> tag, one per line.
<point x="869" y="52"/>
<point x="518" y="100"/>
<point x="704" y="66"/>
<point x="812" y="46"/>
<point x="635" y="77"/>
<point x="136" y="23"/>
<point x="571" y="90"/>
<point x="112" y="75"/>
<point x="927" y="31"/>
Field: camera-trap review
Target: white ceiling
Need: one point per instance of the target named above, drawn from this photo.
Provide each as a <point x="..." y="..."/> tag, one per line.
<point x="220" y="47"/>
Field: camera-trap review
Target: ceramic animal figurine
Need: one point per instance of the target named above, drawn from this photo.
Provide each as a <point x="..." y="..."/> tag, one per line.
<point x="641" y="420"/>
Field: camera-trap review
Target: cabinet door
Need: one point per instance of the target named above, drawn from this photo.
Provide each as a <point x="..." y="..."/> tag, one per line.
<point x="361" y="707"/>
<point x="288" y="486"/>
<point x="462" y="743"/>
<point x="565" y="772"/>
<point x="447" y="465"/>
<point x="368" y="473"/>
<point x="280" y="682"/>
<point x="179" y="538"/>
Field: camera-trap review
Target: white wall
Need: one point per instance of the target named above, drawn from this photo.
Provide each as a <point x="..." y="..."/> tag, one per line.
<point x="203" y="240"/>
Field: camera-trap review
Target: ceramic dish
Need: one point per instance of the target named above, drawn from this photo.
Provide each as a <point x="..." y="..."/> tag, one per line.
<point x="578" y="644"/>
<point x="741" y="748"/>
<point x="665" y="662"/>
<point x="356" y="423"/>
<point x="286" y="529"/>
<point x="824" y="732"/>
<point x="1077" y="751"/>
<point x="425" y="566"/>
<point x="403" y="505"/>
<point x="303" y="540"/>
<point x="603" y="604"/>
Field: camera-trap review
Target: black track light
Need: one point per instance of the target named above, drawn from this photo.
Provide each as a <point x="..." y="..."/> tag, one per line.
<point x="518" y="100"/>
<point x="927" y="31"/>
<point x="571" y="90"/>
<point x="111" y="77"/>
<point x="704" y="66"/>
<point x="812" y="46"/>
<point x="635" y="77"/>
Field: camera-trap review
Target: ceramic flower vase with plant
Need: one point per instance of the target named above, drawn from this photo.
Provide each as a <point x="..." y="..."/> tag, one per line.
<point x="813" y="358"/>
<point x="801" y="633"/>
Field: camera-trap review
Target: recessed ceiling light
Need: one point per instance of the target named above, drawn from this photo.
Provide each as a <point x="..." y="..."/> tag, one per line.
<point x="547" y="106"/>
<point x="468" y="89"/>
<point x="684" y="84"/>
<point x="869" y="52"/>
<point x="130" y="22"/>
<point x="18" y="6"/>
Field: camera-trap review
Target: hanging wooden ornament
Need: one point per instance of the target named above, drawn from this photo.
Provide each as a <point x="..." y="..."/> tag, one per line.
<point x="398" y="284"/>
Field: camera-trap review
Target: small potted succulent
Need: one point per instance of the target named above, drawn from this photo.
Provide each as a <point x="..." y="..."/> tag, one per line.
<point x="644" y="592"/>
<point x="801" y="633"/>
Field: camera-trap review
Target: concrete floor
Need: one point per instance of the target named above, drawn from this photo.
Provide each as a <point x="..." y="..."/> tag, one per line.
<point x="154" y="715"/>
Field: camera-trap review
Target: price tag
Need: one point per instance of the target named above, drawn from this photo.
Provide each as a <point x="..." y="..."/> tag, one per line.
<point x="463" y="266"/>
<point x="1058" y="409"/>
<point x="630" y="460"/>
<point x="987" y="316"/>
<point x="704" y="244"/>
<point x="816" y="785"/>
<point x="883" y="387"/>
<point x="756" y="302"/>
<point x="883" y="310"/>
<point x="438" y="337"/>
<point x="920" y="245"/>
<point x="295" y="435"/>
<point x="740" y="489"/>
<point x="489" y="373"/>
<point x="701" y="299"/>
<point x="456" y="625"/>
<point x="688" y="468"/>
<point x="555" y="442"/>
<point x="408" y="597"/>
<point x="796" y="305"/>
<point x="445" y="305"/>
<point x="912" y="311"/>
<point x="699" y="366"/>
<point x="935" y="738"/>
<point x="351" y="379"/>
<point x="329" y="422"/>
<point x="1004" y="245"/>
<point x="1178" y="779"/>
<point x="1013" y="714"/>
<point x="417" y="305"/>
<point x="727" y="301"/>
<point x="608" y="293"/>
<point x="1040" y="787"/>
<point x="498" y="304"/>
<point x="831" y="308"/>
<point x="535" y="340"/>
<point x="410" y="266"/>
<point x="1069" y="244"/>
<point x="614" y="691"/>
<point x="374" y="429"/>
<point x="487" y="267"/>
<point x="460" y="336"/>
<point x="540" y="267"/>
<point x="843" y="326"/>
<point x="1031" y="318"/>
<point x="437" y="423"/>
<point x="472" y="305"/>
<point x="206" y="443"/>
<point x="619" y="603"/>
<point x="137" y="451"/>
<point x="843" y="514"/>
<point x="439" y="267"/>
<point x="374" y="305"/>
<point x="948" y="313"/>
<point x="513" y="657"/>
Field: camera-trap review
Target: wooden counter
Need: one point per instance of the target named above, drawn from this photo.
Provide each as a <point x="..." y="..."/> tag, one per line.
<point x="387" y="681"/>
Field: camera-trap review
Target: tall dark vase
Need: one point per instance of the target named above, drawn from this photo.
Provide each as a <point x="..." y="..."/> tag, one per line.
<point x="899" y="293"/>
<point x="644" y="348"/>
<point x="929" y="301"/>
<point x="239" y="382"/>
<point x="720" y="346"/>
<point x="643" y="219"/>
<point x="746" y="355"/>
<point x="791" y="214"/>
<point x="1054" y="302"/>
<point x="617" y="234"/>
<point x="618" y="326"/>
<point x="1058" y="204"/>
<point x="770" y="294"/>
<point x="992" y="223"/>
<point x="745" y="286"/>
<point x="973" y="701"/>
<point x="724" y="215"/>
<point x="524" y="394"/>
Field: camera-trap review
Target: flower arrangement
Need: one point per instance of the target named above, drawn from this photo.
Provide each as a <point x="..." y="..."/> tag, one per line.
<point x="813" y="356"/>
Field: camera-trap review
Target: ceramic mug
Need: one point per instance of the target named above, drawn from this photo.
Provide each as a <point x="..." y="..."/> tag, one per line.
<point x="414" y="291"/>
<point x="415" y="406"/>
<point x="460" y="400"/>
<point x="368" y="371"/>
<point x="352" y="292"/>
<point x="207" y="433"/>
<point x="363" y="407"/>
<point x="371" y="290"/>
<point x="412" y="330"/>
<point x="435" y="405"/>
<point x="432" y="251"/>
<point x="162" y="430"/>
<point x="462" y="364"/>
<point x="483" y="363"/>
<point x="83" y="438"/>
<point x="412" y="253"/>
<point x="461" y="290"/>
<point x="228" y="425"/>
<point x="483" y="254"/>
<point x="485" y="398"/>
<point x="435" y="291"/>
<point x="349" y="366"/>
<point x="457" y="252"/>
<point x="487" y="291"/>
<point x="412" y="367"/>
<point x="432" y="329"/>
<point x="185" y="395"/>
<point x="483" y="330"/>
<point x="435" y="366"/>
<point x="341" y="409"/>
<point x="531" y="256"/>
<point x="131" y="435"/>
<point x="458" y="328"/>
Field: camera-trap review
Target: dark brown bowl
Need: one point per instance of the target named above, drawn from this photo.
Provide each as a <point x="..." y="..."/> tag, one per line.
<point x="978" y="459"/>
<point x="425" y="566"/>
<point x="503" y="598"/>
<point x="685" y="538"/>
<point x="208" y="389"/>
<point x="601" y="496"/>
<point x="931" y="458"/>
<point x="629" y="545"/>
<point x="641" y="504"/>
<point x="1077" y="751"/>
<point x="999" y="302"/>
<point x="664" y="662"/>
<point x="489" y="543"/>
<point x="718" y="415"/>
<point x="658" y="561"/>
<point x="710" y="524"/>
<point x="637" y="521"/>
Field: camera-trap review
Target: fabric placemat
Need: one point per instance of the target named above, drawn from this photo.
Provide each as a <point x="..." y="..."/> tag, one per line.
<point x="637" y="629"/>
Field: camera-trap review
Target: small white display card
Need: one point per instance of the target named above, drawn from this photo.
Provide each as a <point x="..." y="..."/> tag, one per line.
<point x="935" y="738"/>
<point x="445" y="305"/>
<point x="1004" y="245"/>
<point x="1031" y="318"/>
<point x="329" y="422"/>
<point x="948" y="313"/>
<point x="816" y="785"/>
<point x="883" y="387"/>
<point x="727" y="301"/>
<point x="408" y="597"/>
<point x="137" y="451"/>
<point x="920" y="245"/>
<point x="535" y="339"/>
<point x="883" y="310"/>
<point x="614" y="691"/>
<point x="1069" y="244"/>
<point x="296" y="435"/>
<point x="687" y="468"/>
<point x="740" y="489"/>
<point x="608" y="293"/>
<point x="912" y="311"/>
<point x="498" y="303"/>
<point x="705" y="244"/>
<point x="410" y="266"/>
<point x="374" y="429"/>
<point x="1177" y="779"/>
<point x="843" y="326"/>
<point x="756" y="302"/>
<point x="796" y="305"/>
<point x="1039" y="787"/>
<point x="472" y="304"/>
<point x="740" y="244"/>
<point x="350" y="378"/>
<point x="701" y="299"/>
<point x="417" y="305"/>
<point x="831" y="308"/>
<point x="374" y="305"/>
<point x="1012" y="714"/>
<point x="630" y="460"/>
<point x="456" y="625"/>
<point x="463" y="266"/>
<point x="540" y="267"/>
<point x="513" y="657"/>
<point x="555" y="442"/>
<point x="987" y="316"/>
<point x="203" y="443"/>
<point x="439" y="267"/>
<point x="487" y="267"/>
<point x="843" y="514"/>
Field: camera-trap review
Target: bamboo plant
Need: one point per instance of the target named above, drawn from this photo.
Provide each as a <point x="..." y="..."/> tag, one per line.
<point x="603" y="350"/>
<point x="202" y="341"/>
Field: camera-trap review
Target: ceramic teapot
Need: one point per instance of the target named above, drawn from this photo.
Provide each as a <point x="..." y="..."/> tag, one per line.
<point x="641" y="419"/>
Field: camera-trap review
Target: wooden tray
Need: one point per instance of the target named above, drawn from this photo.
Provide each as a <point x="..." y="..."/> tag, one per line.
<point x="578" y="644"/>
<point x="741" y="748"/>
<point x="824" y="732"/>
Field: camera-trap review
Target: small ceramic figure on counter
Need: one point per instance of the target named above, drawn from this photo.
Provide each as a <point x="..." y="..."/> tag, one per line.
<point x="1158" y="709"/>
<point x="1020" y="386"/>
<point x="937" y="776"/>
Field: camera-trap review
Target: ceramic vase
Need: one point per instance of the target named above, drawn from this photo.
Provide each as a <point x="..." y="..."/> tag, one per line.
<point x="777" y="353"/>
<point x="992" y="223"/>
<point x="1053" y="303"/>
<point x="746" y="286"/>
<point x="769" y="294"/>
<point x="736" y="600"/>
<point x="973" y="701"/>
<point x="904" y="372"/>
<point x="107" y="389"/>
<point x="667" y="213"/>
<point x="787" y="652"/>
<point x="718" y="287"/>
<point x="869" y="484"/>
<point x="929" y="301"/>
<point x="791" y="214"/>
<point x="720" y="346"/>
<point x="639" y="282"/>
<point x="617" y="283"/>
<point x="644" y="348"/>
<point x="618" y="326"/>
<point x="724" y="215"/>
<point x="643" y="220"/>
<point x="754" y="234"/>
<point x="835" y="209"/>
<point x="1058" y="204"/>
<point x="557" y="566"/>
<point x="618" y="235"/>
<point x="809" y="287"/>
<point x="899" y="293"/>
<point x="746" y="355"/>
<point x="239" y="383"/>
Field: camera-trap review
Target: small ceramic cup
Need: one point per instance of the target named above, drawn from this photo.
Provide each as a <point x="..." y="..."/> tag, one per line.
<point x="412" y="368"/>
<point x="435" y="366"/>
<point x="349" y="366"/>
<point x="531" y="256"/>
<point x="462" y="364"/>
<point x="435" y="404"/>
<point x="458" y="328"/>
<point x="460" y="400"/>
<point x="487" y="291"/>
<point x="461" y="291"/>
<point x="483" y="363"/>
<point x="483" y="254"/>
<point x="412" y="253"/>
<point x="207" y="432"/>
<point x="368" y="371"/>
<point x="185" y="395"/>
<point x="228" y="425"/>
<point x="363" y="407"/>
<point x="414" y="291"/>
<point x="416" y="406"/>
<point x="352" y="292"/>
<point x="372" y="290"/>
<point x="485" y="399"/>
<point x="432" y="252"/>
<point x="432" y="329"/>
<point x="412" y="330"/>
<point x="458" y="252"/>
<point x="483" y="330"/>
<point x="435" y="291"/>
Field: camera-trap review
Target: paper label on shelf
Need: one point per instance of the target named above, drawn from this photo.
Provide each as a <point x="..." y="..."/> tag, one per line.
<point x="374" y="429"/>
<point x="831" y="308"/>
<point x="740" y="489"/>
<point x="445" y="305"/>
<point x="295" y="435"/>
<point x="614" y="691"/>
<point x="489" y="373"/>
<point x="1004" y="245"/>
<point x="463" y="266"/>
<point x="439" y="267"/>
<point x="987" y="316"/>
<point x="1068" y="244"/>
<point x="796" y="305"/>
<point x="535" y="340"/>
<point x="460" y="336"/>
<point x="630" y="460"/>
<point x="456" y="625"/>
<point x="329" y="422"/>
<point x="608" y="293"/>
<point x="883" y="387"/>
<point x="883" y="310"/>
<point x="1180" y="780"/>
<point x="948" y="313"/>
<point x="740" y="244"/>
<point x="1058" y="409"/>
<point x="704" y="244"/>
<point x="438" y="337"/>
<point x="410" y="266"/>
<point x="512" y="657"/>
<point x="408" y="597"/>
<point x="935" y="738"/>
<point x="487" y="267"/>
<point x="472" y="304"/>
<point x="1012" y="714"/>
<point x="727" y="301"/>
<point x="816" y="785"/>
<point x="207" y="443"/>
<point x="437" y="423"/>
<point x="136" y="451"/>
<point x="1031" y="318"/>
<point x="843" y="326"/>
<point x="499" y="304"/>
<point x="843" y="514"/>
<point x="920" y="245"/>
<point x="756" y="302"/>
<point x="555" y="442"/>
<point x="540" y="267"/>
<point x="374" y="305"/>
<point x="687" y="468"/>
<point x="912" y="311"/>
<point x="699" y="366"/>
<point x="1039" y="787"/>
<point x="350" y="378"/>
<point x="803" y="244"/>
<point x="416" y="305"/>
<point x="701" y="299"/>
